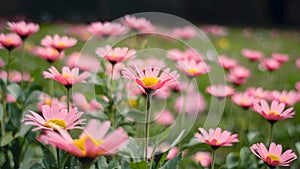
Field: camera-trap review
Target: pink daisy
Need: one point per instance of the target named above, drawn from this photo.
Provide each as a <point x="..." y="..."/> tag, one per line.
<point x="186" y="32"/>
<point x="286" y="97"/>
<point x="188" y="54"/>
<point x="151" y="78"/>
<point x="93" y="142"/>
<point x="215" y="30"/>
<point x="280" y="57"/>
<point x="115" y="55"/>
<point x="53" y="118"/>
<point x="60" y="43"/>
<point x="138" y="24"/>
<point x="216" y="138"/>
<point x="226" y="63"/>
<point x="252" y="55"/>
<point x="271" y="64"/>
<point x="165" y="118"/>
<point x="23" y="29"/>
<point x="258" y="93"/>
<point x="244" y="100"/>
<point x="274" y="156"/>
<point x="204" y="158"/>
<point x="68" y="78"/>
<point x="191" y="68"/>
<point x="48" y="53"/>
<point x="10" y="41"/>
<point x="83" y="61"/>
<point x="274" y="112"/>
<point x="107" y="29"/>
<point x="220" y="90"/>
<point x="194" y="103"/>
<point x="80" y="100"/>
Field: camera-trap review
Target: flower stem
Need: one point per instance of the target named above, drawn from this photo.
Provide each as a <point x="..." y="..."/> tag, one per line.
<point x="112" y="97"/>
<point x="3" y="100"/>
<point x="68" y="98"/>
<point x="7" y="66"/>
<point x="271" y="132"/>
<point x="213" y="158"/>
<point x="58" y="158"/>
<point x="148" y="97"/>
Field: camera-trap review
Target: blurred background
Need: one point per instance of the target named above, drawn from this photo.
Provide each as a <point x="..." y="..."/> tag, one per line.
<point x="283" y="13"/>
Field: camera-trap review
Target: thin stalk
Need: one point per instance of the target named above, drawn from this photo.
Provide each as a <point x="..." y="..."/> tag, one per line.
<point x="4" y="114"/>
<point x="271" y="132"/>
<point x="148" y="97"/>
<point x="68" y="98"/>
<point x="213" y="153"/>
<point x="112" y="97"/>
<point x="7" y="66"/>
<point x="58" y="158"/>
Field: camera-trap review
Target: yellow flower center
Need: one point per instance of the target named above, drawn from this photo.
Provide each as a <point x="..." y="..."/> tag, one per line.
<point x="244" y="102"/>
<point x="133" y="103"/>
<point x="192" y="71"/>
<point x="80" y="143"/>
<point x="273" y="157"/>
<point x="66" y="76"/>
<point x="61" y="44"/>
<point x="9" y="41"/>
<point x="150" y="81"/>
<point x="48" y="102"/>
<point x="55" y="52"/>
<point x="56" y="122"/>
<point x="275" y="113"/>
<point x="215" y="141"/>
<point x="113" y="55"/>
<point x="283" y="99"/>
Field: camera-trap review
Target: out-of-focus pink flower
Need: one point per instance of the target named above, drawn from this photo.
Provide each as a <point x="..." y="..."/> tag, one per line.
<point x="240" y="72"/>
<point x="191" y="68"/>
<point x="15" y="76"/>
<point x="220" y="90"/>
<point x="286" y="97"/>
<point x="274" y="156"/>
<point x="115" y="55"/>
<point x="45" y="99"/>
<point x="48" y="53"/>
<point x="193" y="103"/>
<point x="204" y="158"/>
<point x="151" y="78"/>
<point x="244" y="100"/>
<point x="216" y="138"/>
<point x="93" y="141"/>
<point x="184" y="86"/>
<point x="10" y="41"/>
<point x="107" y="29"/>
<point x="252" y="55"/>
<point x="60" y="43"/>
<point x="280" y="57"/>
<point x="53" y="118"/>
<point x="84" y="62"/>
<point x="186" y="32"/>
<point x="68" y="77"/>
<point x="78" y="30"/>
<point x="298" y="63"/>
<point x="138" y="24"/>
<point x="188" y="54"/>
<point x="147" y="62"/>
<point x="226" y="63"/>
<point x="214" y="30"/>
<point x="258" y="93"/>
<point x="10" y="98"/>
<point x="271" y="64"/>
<point x="161" y="148"/>
<point x="297" y="86"/>
<point x="165" y="118"/>
<point x="274" y="112"/>
<point x="23" y="29"/>
<point x="80" y="100"/>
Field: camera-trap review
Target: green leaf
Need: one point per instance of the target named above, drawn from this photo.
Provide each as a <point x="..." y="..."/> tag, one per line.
<point x="15" y="90"/>
<point x="232" y="161"/>
<point x="6" y="139"/>
<point x="11" y="159"/>
<point x="124" y="164"/>
<point x="101" y="163"/>
<point x="162" y="159"/>
<point x="114" y="164"/>
<point x="138" y="165"/>
<point x="173" y="163"/>
<point x="73" y="163"/>
<point x="37" y="166"/>
<point x="49" y="160"/>
<point x="2" y="159"/>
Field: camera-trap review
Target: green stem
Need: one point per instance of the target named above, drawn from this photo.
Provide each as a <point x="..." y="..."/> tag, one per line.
<point x="271" y="132"/>
<point x="7" y="66"/>
<point x="148" y="97"/>
<point x="4" y="114"/>
<point x="58" y="158"/>
<point x="112" y="97"/>
<point x="68" y="98"/>
<point x="213" y="153"/>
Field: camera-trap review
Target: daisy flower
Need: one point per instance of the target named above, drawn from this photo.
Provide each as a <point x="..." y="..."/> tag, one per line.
<point x="192" y="69"/>
<point x="53" y="118"/>
<point x="216" y="138"/>
<point x="48" y="53"/>
<point x="23" y="29"/>
<point x="10" y="41"/>
<point x="151" y="78"/>
<point x="115" y="55"/>
<point x="274" y="156"/>
<point x="138" y="24"/>
<point x="220" y="90"/>
<point x="60" y="43"/>
<point x="252" y="55"/>
<point x="93" y="141"/>
<point x="68" y="77"/>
